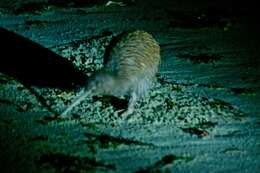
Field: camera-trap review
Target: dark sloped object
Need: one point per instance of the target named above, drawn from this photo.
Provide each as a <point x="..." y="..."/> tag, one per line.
<point x="32" y="64"/>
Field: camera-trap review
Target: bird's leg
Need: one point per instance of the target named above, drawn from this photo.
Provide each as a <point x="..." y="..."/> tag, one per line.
<point x="131" y="104"/>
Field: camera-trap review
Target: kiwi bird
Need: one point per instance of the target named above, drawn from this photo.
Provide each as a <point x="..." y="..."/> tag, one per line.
<point x="129" y="70"/>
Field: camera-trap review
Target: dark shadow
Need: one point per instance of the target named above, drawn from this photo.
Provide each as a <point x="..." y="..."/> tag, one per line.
<point x="117" y="103"/>
<point x="32" y="64"/>
<point x="66" y="163"/>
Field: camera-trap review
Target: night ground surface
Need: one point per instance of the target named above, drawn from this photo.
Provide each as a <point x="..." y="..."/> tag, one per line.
<point x="202" y="115"/>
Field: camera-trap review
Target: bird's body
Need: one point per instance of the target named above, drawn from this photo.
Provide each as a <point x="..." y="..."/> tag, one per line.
<point x="130" y="69"/>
